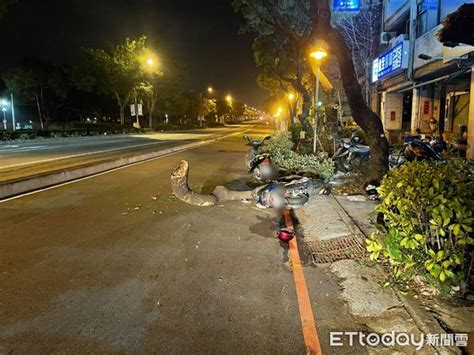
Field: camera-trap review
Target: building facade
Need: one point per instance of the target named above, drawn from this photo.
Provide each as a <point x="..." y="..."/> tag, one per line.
<point x="418" y="84"/>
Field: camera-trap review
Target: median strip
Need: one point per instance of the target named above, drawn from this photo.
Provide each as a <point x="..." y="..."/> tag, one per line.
<point x="34" y="183"/>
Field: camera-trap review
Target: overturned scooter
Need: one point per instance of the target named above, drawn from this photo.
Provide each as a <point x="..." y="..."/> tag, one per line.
<point x="293" y="192"/>
<point x="279" y="195"/>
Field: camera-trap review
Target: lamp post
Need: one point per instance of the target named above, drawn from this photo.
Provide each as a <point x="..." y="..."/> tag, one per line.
<point x="4" y="118"/>
<point x="229" y="100"/>
<point x="151" y="63"/>
<point x="13" y="113"/>
<point x="4" y="104"/>
<point x="210" y="90"/>
<point x="317" y="55"/>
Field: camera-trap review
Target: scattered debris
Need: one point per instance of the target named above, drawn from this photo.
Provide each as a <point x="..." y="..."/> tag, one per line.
<point x="357" y="198"/>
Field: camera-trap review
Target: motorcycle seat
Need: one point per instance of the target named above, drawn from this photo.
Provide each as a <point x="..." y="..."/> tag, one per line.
<point x="256" y="144"/>
<point x="362" y="149"/>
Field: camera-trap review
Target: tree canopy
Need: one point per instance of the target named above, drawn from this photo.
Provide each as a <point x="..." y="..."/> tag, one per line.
<point x="120" y="71"/>
<point x="295" y="26"/>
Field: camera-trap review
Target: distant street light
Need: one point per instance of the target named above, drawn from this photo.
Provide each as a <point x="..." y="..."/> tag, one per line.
<point x="291" y="96"/>
<point x="210" y="90"/>
<point x="4" y="109"/>
<point x="317" y="54"/>
<point x="228" y="98"/>
<point x="150" y="62"/>
<point x="4" y="104"/>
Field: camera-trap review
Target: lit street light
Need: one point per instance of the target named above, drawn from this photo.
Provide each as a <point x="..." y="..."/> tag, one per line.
<point x="4" y="104"/>
<point x="150" y="62"/>
<point x="4" y="109"/>
<point x="318" y="54"/>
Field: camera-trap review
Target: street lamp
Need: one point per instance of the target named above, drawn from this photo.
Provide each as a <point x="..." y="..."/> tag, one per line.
<point x="318" y="54"/>
<point x="4" y="110"/>
<point x="210" y="90"/>
<point x="150" y="62"/>
<point x="4" y="103"/>
<point x="228" y="98"/>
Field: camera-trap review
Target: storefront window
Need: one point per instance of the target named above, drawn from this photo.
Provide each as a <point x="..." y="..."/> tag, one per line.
<point x="428" y="15"/>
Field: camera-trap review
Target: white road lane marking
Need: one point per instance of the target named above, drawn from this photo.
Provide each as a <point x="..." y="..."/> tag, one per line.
<point x="121" y="167"/>
<point x="79" y="155"/>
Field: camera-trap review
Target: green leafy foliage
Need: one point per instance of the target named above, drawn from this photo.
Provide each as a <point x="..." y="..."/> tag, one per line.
<point x="280" y="147"/>
<point x="428" y="211"/>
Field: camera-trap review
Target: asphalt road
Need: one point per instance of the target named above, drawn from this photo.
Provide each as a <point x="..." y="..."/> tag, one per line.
<point x="115" y="263"/>
<point x="23" y="159"/>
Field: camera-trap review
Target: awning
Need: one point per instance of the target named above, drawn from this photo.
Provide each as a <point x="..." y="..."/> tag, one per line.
<point x="441" y="78"/>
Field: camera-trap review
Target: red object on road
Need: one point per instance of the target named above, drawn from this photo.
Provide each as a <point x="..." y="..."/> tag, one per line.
<point x="285" y="235"/>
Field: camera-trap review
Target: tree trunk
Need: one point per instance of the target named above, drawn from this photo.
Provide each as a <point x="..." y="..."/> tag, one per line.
<point x="121" y="106"/>
<point x="368" y="120"/>
<point x="298" y="86"/>
<point x="179" y="184"/>
<point x="40" y="116"/>
<point x="151" y="105"/>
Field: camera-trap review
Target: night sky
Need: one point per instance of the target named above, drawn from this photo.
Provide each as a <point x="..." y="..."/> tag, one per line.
<point x="200" y="35"/>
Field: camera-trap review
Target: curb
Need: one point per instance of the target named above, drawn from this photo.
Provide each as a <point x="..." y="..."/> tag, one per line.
<point x="425" y="322"/>
<point x="18" y="187"/>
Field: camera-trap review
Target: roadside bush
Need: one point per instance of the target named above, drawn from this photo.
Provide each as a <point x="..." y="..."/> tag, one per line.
<point x="280" y="147"/>
<point x="428" y="212"/>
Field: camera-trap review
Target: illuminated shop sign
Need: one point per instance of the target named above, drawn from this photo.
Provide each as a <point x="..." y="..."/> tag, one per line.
<point x="390" y="62"/>
<point x="346" y="5"/>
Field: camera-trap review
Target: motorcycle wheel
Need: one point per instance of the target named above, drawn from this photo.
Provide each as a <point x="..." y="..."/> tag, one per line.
<point x="339" y="166"/>
<point x="356" y="163"/>
<point x="297" y="201"/>
<point x="249" y="158"/>
<point x="257" y="174"/>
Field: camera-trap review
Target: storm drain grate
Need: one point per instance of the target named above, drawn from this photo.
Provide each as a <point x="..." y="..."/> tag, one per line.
<point x="328" y="251"/>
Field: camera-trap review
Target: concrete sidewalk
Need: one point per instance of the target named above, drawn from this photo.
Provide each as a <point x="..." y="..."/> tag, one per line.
<point x="329" y="220"/>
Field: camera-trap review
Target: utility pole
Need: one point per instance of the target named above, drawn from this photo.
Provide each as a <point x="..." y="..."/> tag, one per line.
<point x="13" y="113"/>
<point x="316" y="99"/>
<point x="136" y="112"/>
<point x="4" y="118"/>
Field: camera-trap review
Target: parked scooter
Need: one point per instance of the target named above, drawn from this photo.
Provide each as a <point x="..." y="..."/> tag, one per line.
<point x="421" y="150"/>
<point x="350" y="153"/>
<point x="259" y="164"/>
<point x="416" y="149"/>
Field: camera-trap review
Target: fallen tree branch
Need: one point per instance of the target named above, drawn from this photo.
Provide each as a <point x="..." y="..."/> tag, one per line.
<point x="180" y="186"/>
